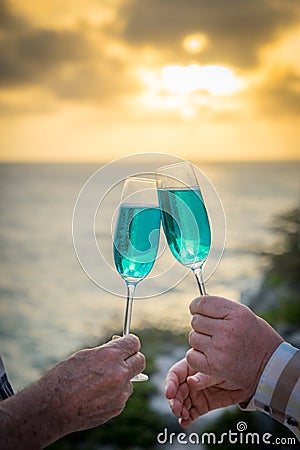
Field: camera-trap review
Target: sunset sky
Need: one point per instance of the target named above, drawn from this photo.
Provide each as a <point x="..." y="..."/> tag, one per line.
<point x="92" y="80"/>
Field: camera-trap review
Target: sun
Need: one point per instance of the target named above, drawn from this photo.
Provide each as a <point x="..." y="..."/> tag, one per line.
<point x="195" y="43"/>
<point x="216" y="80"/>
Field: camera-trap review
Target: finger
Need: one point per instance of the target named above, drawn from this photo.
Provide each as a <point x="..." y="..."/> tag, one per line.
<point x="201" y="381"/>
<point x="129" y="345"/>
<point x="176" y="390"/>
<point x="198" y="361"/>
<point x="200" y="342"/>
<point x="185" y="413"/>
<point x="115" y="336"/>
<point x="121" y="394"/>
<point x="176" y="375"/>
<point x="171" y="386"/>
<point x="179" y="402"/>
<point x="176" y="407"/>
<point x="180" y="407"/>
<point x="186" y="421"/>
<point x="187" y="405"/>
<point x="183" y="392"/>
<point x="211" y="306"/>
<point x="136" y="364"/>
<point x="206" y="325"/>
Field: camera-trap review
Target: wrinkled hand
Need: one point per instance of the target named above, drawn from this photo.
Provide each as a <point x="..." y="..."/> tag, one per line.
<point x="93" y="385"/>
<point x="85" y="390"/>
<point x="230" y="342"/>
<point x="192" y="394"/>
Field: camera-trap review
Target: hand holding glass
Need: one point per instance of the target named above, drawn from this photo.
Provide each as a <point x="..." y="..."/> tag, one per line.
<point x="136" y="238"/>
<point x="184" y="217"/>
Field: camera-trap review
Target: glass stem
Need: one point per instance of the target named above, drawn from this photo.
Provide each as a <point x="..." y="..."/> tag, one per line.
<point x="128" y="310"/>
<point x="200" y="282"/>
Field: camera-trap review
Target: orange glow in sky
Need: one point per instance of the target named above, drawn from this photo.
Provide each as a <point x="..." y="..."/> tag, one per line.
<point x="96" y="80"/>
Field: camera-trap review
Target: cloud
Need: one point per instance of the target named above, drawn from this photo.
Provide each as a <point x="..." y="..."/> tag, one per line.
<point x="69" y="63"/>
<point x="29" y="55"/>
<point x="88" y="61"/>
<point x="235" y="29"/>
<point x="280" y="94"/>
<point x="9" y="20"/>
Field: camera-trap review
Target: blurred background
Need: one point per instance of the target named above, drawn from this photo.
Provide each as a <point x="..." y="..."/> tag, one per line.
<point x="85" y="82"/>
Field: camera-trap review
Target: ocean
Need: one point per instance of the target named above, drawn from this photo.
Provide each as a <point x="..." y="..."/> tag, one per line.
<point x="49" y="307"/>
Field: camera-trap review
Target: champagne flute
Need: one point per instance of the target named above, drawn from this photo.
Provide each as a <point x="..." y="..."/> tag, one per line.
<point x="136" y="239"/>
<point x="184" y="217"/>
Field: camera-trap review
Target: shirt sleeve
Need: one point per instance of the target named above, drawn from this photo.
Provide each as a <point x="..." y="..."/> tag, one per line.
<point x="278" y="390"/>
<point x="5" y="387"/>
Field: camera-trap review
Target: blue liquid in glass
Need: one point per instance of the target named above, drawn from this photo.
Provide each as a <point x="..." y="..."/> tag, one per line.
<point x="186" y="224"/>
<point x="136" y="241"/>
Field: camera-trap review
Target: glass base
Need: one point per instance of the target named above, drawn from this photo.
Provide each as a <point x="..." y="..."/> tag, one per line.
<point x="140" y="377"/>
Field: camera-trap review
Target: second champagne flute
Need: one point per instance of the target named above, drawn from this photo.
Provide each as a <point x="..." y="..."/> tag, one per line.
<point x="184" y="217"/>
<point x="136" y="238"/>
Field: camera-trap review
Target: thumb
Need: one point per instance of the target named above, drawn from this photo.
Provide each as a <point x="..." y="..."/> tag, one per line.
<point x="201" y="381"/>
<point x="115" y="336"/>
